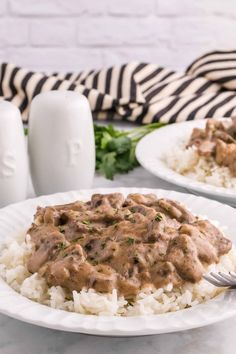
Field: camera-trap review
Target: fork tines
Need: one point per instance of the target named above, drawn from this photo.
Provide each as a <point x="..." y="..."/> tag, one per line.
<point x="221" y="279"/>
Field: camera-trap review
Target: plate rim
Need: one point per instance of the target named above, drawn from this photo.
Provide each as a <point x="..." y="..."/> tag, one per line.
<point x="103" y="325"/>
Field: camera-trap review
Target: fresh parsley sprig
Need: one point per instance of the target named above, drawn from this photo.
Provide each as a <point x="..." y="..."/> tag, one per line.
<point x="115" y="149"/>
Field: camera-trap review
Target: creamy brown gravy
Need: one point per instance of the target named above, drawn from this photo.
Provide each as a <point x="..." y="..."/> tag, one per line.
<point x="126" y="244"/>
<point x="217" y="140"/>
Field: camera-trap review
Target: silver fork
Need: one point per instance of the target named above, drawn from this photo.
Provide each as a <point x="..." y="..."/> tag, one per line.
<point x="221" y="279"/>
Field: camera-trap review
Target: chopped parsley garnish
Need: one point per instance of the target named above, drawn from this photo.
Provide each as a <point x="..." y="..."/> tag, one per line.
<point x="130" y="241"/>
<point x="86" y="222"/>
<point x="93" y="261"/>
<point x="132" y="220"/>
<point x="158" y="217"/>
<point x="61" y="246"/>
<point x="75" y="240"/>
<point x="61" y="229"/>
<point x="133" y="210"/>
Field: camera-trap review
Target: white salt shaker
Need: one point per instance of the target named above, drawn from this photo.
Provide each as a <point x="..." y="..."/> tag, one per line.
<point x="13" y="155"/>
<point x="61" y="142"/>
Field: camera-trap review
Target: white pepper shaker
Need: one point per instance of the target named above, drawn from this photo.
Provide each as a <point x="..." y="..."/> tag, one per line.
<point x="61" y="142"/>
<point x="13" y="155"/>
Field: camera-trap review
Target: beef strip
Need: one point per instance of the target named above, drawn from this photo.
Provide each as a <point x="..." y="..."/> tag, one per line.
<point x="217" y="140"/>
<point x="112" y="242"/>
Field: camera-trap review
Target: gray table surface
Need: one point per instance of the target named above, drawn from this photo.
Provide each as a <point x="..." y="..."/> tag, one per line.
<point x="19" y="338"/>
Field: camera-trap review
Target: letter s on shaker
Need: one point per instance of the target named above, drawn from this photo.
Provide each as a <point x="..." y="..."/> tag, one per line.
<point x="13" y="155"/>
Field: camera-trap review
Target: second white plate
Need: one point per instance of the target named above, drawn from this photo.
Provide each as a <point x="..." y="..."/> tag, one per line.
<point x="154" y="146"/>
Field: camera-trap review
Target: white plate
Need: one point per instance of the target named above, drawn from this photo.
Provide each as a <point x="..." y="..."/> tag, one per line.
<point x="15" y="218"/>
<point x="154" y="146"/>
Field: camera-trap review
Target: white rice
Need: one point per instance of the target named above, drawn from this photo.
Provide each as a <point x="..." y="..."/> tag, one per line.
<point x="13" y="270"/>
<point x="187" y="162"/>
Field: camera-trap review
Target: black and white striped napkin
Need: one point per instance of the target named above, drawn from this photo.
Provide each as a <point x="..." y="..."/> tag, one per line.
<point x="137" y="92"/>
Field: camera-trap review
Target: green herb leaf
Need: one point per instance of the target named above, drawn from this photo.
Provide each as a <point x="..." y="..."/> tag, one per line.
<point x="61" y="246"/>
<point x="132" y="220"/>
<point x="119" y="145"/>
<point x="108" y="165"/>
<point x="86" y="222"/>
<point x="115" y="149"/>
<point x="158" y="217"/>
<point x="61" y="229"/>
<point x="130" y="241"/>
<point x="105" y="140"/>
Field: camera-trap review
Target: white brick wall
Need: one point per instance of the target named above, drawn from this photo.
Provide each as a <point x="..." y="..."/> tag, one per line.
<point x="71" y="35"/>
